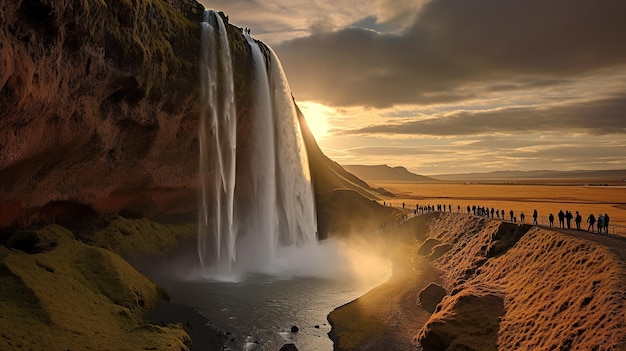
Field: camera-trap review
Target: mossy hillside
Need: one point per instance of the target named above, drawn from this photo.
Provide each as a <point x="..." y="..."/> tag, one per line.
<point x="76" y="296"/>
<point x="140" y="236"/>
<point x="154" y="38"/>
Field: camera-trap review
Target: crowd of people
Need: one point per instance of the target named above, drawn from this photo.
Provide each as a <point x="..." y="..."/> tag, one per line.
<point x="598" y="224"/>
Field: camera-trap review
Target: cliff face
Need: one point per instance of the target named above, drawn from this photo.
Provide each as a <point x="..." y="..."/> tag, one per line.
<point x="99" y="114"/>
<point x="97" y="106"/>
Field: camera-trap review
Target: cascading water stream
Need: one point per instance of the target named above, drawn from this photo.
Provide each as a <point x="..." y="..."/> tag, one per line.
<point x="217" y="137"/>
<point x="253" y="205"/>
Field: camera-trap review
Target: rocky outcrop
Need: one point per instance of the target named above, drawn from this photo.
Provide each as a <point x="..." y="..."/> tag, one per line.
<point x="431" y="296"/>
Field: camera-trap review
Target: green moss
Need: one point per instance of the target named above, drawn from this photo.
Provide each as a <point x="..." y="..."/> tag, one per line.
<point x="131" y="237"/>
<point x="77" y="296"/>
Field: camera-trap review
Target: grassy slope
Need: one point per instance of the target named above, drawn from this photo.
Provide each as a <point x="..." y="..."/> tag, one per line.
<point x="546" y="291"/>
<point x="76" y="296"/>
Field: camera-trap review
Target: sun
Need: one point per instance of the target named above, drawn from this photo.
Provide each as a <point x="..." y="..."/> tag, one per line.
<point x="316" y="116"/>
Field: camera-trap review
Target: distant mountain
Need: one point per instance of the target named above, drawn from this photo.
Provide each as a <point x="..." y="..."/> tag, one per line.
<point x="605" y="175"/>
<point x="386" y="173"/>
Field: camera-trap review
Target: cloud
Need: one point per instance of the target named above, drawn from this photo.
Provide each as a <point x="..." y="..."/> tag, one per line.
<point x="597" y="117"/>
<point x="457" y="50"/>
<point x="274" y="21"/>
<point x="398" y="13"/>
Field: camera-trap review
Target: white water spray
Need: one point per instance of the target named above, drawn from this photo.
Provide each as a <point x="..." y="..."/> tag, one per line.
<point x="263" y="200"/>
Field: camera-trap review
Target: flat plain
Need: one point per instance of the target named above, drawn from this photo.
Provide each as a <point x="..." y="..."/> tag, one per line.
<point x="546" y="197"/>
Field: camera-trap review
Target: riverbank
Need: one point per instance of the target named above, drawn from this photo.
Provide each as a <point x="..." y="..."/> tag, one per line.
<point x="508" y="287"/>
<point x="382" y="318"/>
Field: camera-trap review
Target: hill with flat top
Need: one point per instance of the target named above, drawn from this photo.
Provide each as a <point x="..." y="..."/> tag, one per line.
<point x="384" y="173"/>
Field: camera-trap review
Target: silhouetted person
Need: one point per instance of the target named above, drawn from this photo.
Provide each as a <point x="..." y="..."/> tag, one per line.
<point x="522" y="217"/>
<point x="551" y="219"/>
<point x="600" y="224"/>
<point x="474" y="209"/>
<point x="403" y="205"/>
<point x="449" y="208"/>
<point x="578" y="219"/>
<point x="492" y="211"/>
<point x="535" y="217"/>
<point x="568" y="218"/>
<point x="592" y="221"/>
<point x="606" y="223"/>
<point x="561" y="216"/>
<point x="511" y="213"/>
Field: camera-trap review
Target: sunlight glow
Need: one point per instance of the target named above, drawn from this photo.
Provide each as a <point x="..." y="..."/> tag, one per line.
<point x="316" y="116"/>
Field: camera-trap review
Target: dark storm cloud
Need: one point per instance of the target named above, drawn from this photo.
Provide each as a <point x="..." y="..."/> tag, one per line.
<point x="493" y="44"/>
<point x="600" y="117"/>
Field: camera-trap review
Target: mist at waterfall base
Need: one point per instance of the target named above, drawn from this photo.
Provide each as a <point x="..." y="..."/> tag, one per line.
<point x="259" y="267"/>
<point x="257" y="312"/>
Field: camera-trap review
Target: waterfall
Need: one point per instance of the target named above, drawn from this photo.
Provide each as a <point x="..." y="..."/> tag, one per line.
<point x="253" y="204"/>
<point x="217" y="138"/>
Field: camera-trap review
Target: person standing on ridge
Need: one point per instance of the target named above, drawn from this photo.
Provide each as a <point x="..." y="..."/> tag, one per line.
<point x="591" y="220"/>
<point x="600" y="224"/>
<point x="511" y="213"/>
<point x="561" y="216"/>
<point x="568" y="217"/>
<point x="578" y="219"/>
<point x="535" y="217"/>
<point x="551" y="219"/>
<point x="606" y="223"/>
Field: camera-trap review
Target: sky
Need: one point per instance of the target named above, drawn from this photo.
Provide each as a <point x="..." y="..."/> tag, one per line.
<point x="448" y="86"/>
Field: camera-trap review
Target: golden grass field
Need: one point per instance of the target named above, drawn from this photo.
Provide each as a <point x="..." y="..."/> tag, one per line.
<point x="545" y="198"/>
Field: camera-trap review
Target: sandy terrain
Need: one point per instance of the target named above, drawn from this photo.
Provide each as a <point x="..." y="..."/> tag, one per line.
<point x="510" y="287"/>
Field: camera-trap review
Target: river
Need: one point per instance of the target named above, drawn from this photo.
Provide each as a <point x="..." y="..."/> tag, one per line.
<point x="258" y="311"/>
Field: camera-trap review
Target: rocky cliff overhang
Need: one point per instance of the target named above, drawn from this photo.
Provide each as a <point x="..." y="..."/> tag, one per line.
<point x="98" y="107"/>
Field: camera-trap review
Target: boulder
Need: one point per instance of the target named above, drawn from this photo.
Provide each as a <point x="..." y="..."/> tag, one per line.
<point x="438" y="251"/>
<point x="431" y="296"/>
